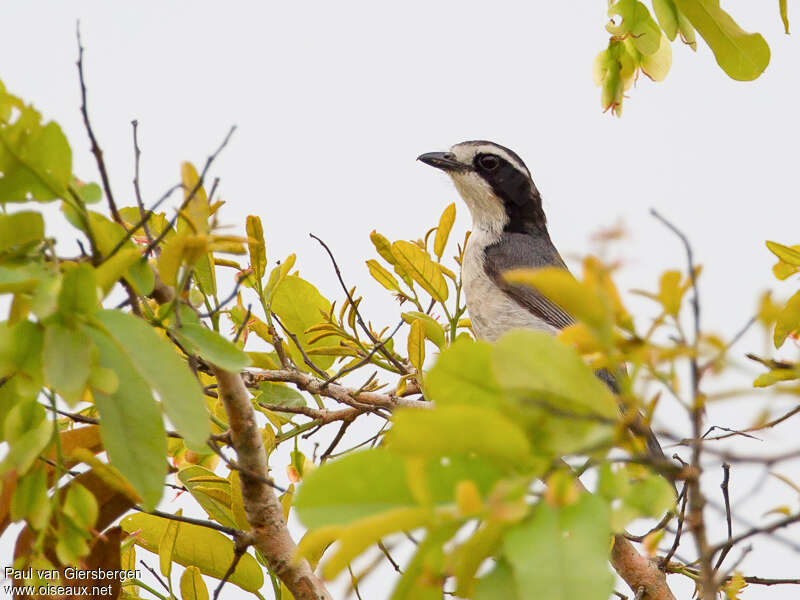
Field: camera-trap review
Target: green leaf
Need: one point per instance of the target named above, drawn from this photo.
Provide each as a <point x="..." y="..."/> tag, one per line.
<point x="78" y="291"/>
<point x="208" y="550"/>
<point x="21" y="352"/>
<point x="35" y="159"/>
<point x="30" y="500"/>
<point x="256" y="246"/>
<point x="192" y="585"/>
<point x="788" y="320"/>
<point x="545" y="550"/>
<point x="374" y="481"/>
<point x="158" y="362"/>
<point x="787" y="254"/>
<point x="743" y="56"/>
<point x="299" y="304"/>
<point x="416" y="345"/>
<point x="210" y="345"/>
<point x="636" y="23"/>
<point x="448" y="430"/>
<point x="553" y="386"/>
<point x="28" y="432"/>
<point x="89" y="193"/>
<point x="81" y="506"/>
<point x="498" y="584"/>
<point x="279" y="395"/>
<point x="433" y="331"/>
<point x="462" y="375"/>
<point x="115" y="268"/>
<point x="418" y="264"/>
<point x="66" y="359"/>
<point x="667" y="15"/>
<point x="20" y="228"/>
<point x="131" y="427"/>
<point x="443" y="230"/>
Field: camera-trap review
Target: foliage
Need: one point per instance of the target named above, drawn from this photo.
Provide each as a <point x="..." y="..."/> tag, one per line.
<point x="107" y="386"/>
<point x="640" y="43"/>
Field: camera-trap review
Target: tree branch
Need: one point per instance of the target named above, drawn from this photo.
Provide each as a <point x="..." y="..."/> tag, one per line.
<point x="264" y="512"/>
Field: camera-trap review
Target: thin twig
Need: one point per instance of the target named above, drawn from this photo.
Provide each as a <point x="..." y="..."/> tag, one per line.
<point x="156" y="575"/>
<point x="137" y="153"/>
<point x="191" y="520"/>
<point x="376" y="348"/>
<point x="726" y="473"/>
<point x="335" y="442"/>
<point x="306" y="359"/>
<point x="98" y="153"/>
<point x="238" y="552"/>
<point x="388" y="355"/>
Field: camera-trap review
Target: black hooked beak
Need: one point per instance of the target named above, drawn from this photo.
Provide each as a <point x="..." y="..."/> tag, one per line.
<point x="446" y="161"/>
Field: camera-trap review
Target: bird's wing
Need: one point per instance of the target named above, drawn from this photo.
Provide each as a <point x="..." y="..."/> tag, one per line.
<point x="519" y="250"/>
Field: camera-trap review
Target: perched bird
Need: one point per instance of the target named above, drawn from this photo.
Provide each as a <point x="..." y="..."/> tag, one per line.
<point x="509" y="231"/>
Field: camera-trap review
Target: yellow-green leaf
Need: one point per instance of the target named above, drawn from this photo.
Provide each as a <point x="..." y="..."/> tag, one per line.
<point x="443" y="230"/>
<point x="208" y="550"/>
<point x="787" y="254"/>
<point x="416" y="344"/>
<point x="788" y="321"/>
<point x="433" y="331"/>
<point x="166" y="546"/>
<point x="116" y="267"/>
<point x="192" y="585"/>
<point x="743" y="56"/>
<point x="418" y="264"/>
<point x="382" y="276"/>
<point x="256" y="245"/>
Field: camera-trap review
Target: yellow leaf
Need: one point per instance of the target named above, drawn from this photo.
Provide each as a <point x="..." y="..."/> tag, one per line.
<point x="171" y="258"/>
<point x="468" y="498"/>
<point x="166" y="546"/>
<point x="192" y="585"/>
<point x="416" y="344"/>
<point x="382" y="276"/>
<point x="383" y="246"/>
<point x="670" y="292"/>
<point x="418" y="264"/>
<point x="314" y="543"/>
<point x="113" y="269"/>
<point x="197" y="210"/>
<point x="788" y="254"/>
<point x="357" y="537"/>
<point x="788" y="320"/>
<point x="733" y="586"/>
<point x="237" y="503"/>
<point x="443" y="230"/>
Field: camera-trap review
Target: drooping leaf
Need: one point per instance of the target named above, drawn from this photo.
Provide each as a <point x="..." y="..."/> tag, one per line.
<point x="784" y="9"/>
<point x="636" y="22"/>
<point x="667" y="15"/>
<point x="433" y="331"/>
<point x="743" y="56"/>
<point x="130" y="420"/>
<point x="256" y="246"/>
<point x="192" y="585"/>
<point x="416" y="344"/>
<point x="162" y="368"/>
<point x="66" y="357"/>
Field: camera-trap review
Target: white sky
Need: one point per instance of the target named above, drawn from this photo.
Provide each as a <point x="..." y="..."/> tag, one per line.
<point x="334" y="101"/>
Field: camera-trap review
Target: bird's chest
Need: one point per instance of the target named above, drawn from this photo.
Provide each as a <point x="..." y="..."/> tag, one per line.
<point x="492" y="312"/>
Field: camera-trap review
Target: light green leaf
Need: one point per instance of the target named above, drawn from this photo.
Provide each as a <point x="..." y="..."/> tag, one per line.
<point x="636" y="22"/>
<point x="210" y="345"/>
<point x="20" y="228"/>
<point x="115" y="268"/>
<point x="498" y="584"/>
<point x="208" y="550"/>
<point x="28" y="432"/>
<point x="544" y="551"/>
<point x="418" y="264"/>
<point x="131" y="426"/>
<point x="448" y="430"/>
<point x="743" y="56"/>
<point x="158" y="362"/>
<point x="78" y="291"/>
<point x="299" y="306"/>
<point x="66" y="359"/>
<point x="433" y="331"/>
<point x="279" y="395"/>
<point x="30" y="500"/>
<point x="80" y="505"/>
<point x="35" y="159"/>
<point x="667" y="15"/>
<point x="462" y="375"/>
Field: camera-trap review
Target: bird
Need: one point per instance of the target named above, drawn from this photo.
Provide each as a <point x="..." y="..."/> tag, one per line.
<point x="509" y="231"/>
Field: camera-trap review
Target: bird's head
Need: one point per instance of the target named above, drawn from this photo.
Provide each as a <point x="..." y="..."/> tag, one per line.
<point x="494" y="183"/>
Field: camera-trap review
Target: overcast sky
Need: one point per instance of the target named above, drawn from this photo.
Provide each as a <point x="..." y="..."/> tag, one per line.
<point x="334" y="101"/>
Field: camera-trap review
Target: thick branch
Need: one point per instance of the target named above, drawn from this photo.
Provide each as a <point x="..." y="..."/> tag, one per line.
<point x="263" y="510"/>
<point x="638" y="571"/>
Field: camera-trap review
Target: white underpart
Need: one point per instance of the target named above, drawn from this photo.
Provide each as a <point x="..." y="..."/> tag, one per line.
<point x="493" y="313"/>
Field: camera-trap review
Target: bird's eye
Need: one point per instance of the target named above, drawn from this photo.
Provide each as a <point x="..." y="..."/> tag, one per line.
<point x="488" y="162"/>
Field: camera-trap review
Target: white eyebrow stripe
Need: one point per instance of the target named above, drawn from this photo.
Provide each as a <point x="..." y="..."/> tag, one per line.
<point x="465" y="152"/>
